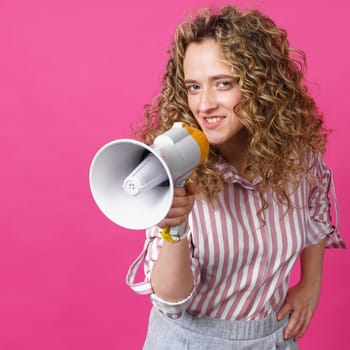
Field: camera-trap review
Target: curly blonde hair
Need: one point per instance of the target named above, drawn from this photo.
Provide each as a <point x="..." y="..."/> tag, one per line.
<point x="281" y="118"/>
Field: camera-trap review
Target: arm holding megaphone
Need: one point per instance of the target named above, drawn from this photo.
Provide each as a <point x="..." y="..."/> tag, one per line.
<point x="139" y="186"/>
<point x="172" y="276"/>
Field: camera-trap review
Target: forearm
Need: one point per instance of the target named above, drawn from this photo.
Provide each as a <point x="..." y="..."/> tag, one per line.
<point x="311" y="263"/>
<point x="171" y="276"/>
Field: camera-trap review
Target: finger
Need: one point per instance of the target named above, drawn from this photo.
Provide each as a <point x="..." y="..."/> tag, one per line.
<point x="173" y="222"/>
<point x="180" y="202"/>
<point x="286" y="308"/>
<point x="181" y="206"/>
<point x="305" y="324"/>
<point x="180" y="191"/>
<point x="190" y="188"/>
<point x="293" y="324"/>
<point x="182" y="198"/>
<point x="177" y="211"/>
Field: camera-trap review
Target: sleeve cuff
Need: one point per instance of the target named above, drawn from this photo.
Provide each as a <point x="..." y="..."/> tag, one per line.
<point x="171" y="309"/>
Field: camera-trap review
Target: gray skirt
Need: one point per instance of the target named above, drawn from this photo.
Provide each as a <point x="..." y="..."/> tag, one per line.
<point x="193" y="333"/>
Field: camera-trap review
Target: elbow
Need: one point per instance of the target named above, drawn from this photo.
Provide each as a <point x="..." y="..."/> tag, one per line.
<point x="173" y="287"/>
<point x="175" y="293"/>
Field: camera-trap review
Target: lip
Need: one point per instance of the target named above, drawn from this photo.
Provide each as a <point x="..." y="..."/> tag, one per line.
<point x="213" y="121"/>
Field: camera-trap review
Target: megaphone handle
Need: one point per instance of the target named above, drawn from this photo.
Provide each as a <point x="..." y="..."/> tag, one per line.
<point x="177" y="231"/>
<point x="175" y="234"/>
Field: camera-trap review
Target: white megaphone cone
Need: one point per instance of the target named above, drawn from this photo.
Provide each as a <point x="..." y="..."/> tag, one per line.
<point x="133" y="183"/>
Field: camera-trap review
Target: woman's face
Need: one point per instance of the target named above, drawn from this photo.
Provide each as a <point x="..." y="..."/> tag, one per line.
<point x="212" y="92"/>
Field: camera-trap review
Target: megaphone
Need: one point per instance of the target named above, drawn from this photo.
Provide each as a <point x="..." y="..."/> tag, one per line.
<point x="132" y="183"/>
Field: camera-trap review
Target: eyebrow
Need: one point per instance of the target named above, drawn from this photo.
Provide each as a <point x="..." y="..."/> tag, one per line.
<point x="213" y="78"/>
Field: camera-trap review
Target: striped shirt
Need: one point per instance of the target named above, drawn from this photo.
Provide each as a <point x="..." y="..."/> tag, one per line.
<point x="241" y="267"/>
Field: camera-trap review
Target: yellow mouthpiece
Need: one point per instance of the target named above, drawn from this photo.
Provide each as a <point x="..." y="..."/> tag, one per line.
<point x="201" y="139"/>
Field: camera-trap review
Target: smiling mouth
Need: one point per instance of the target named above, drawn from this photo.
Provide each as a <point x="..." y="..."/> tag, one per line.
<point x="213" y="120"/>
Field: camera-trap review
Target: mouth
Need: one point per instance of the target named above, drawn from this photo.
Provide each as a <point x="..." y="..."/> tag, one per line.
<point x="212" y="121"/>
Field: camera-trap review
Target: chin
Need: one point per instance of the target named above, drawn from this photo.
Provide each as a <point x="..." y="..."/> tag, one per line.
<point x="216" y="142"/>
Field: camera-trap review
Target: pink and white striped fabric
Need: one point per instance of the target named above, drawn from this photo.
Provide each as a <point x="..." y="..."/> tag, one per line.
<point x="241" y="267"/>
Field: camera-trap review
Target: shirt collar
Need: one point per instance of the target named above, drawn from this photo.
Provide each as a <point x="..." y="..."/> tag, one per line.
<point x="231" y="175"/>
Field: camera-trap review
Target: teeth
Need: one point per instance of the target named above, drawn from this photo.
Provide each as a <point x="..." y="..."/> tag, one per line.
<point x="213" y="120"/>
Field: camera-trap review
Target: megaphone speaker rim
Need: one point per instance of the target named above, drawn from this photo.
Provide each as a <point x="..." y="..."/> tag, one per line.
<point x="137" y="213"/>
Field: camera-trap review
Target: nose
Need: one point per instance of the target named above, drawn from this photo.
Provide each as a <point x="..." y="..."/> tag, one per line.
<point x="207" y="101"/>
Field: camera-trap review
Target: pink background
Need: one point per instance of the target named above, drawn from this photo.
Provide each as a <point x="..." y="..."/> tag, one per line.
<point x="74" y="75"/>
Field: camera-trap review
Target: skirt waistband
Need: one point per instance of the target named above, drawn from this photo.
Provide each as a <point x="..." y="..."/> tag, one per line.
<point x="230" y="329"/>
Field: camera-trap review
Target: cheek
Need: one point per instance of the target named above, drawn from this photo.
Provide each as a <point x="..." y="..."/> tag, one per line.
<point x="230" y="101"/>
<point x="192" y="105"/>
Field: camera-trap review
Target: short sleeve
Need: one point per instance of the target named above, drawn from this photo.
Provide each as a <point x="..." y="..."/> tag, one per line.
<point x="319" y="204"/>
<point x="148" y="257"/>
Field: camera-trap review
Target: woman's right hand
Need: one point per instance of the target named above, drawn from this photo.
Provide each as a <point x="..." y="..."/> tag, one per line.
<point x="182" y="205"/>
<point x="172" y="276"/>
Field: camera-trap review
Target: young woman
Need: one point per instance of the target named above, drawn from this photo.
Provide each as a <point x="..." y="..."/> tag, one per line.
<point x="258" y="203"/>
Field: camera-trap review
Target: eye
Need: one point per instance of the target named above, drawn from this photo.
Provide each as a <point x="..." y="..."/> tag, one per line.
<point x="224" y="84"/>
<point x="192" y="88"/>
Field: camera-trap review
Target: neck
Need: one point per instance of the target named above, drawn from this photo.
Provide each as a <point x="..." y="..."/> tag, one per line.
<point x="235" y="151"/>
